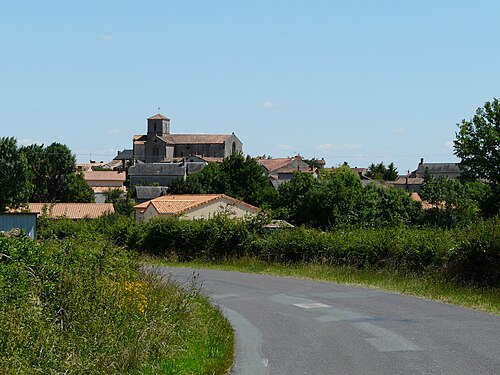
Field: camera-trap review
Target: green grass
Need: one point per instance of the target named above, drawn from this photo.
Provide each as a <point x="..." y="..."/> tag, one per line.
<point x="82" y="306"/>
<point x="427" y="286"/>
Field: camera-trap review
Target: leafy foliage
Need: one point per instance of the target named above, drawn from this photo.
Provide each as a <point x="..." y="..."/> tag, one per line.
<point x="337" y="199"/>
<point x="477" y="143"/>
<point x="54" y="175"/>
<point x="237" y="176"/>
<point x="381" y="172"/>
<point x="455" y="203"/>
<point x="80" y="305"/>
<point x="15" y="178"/>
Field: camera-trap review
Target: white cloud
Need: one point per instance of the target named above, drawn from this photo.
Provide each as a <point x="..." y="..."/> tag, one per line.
<point x="106" y="37"/>
<point x="327" y="147"/>
<point x="270" y="104"/>
<point x="400" y="130"/>
<point x="285" y="147"/>
<point x="449" y="144"/>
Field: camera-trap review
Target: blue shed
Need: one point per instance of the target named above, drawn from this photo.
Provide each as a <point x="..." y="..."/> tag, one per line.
<point x="22" y="220"/>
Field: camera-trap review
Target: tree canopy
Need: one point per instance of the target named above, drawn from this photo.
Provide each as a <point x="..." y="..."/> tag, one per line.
<point x="39" y="174"/>
<point x="381" y="172"/>
<point x="15" y="177"/>
<point x="237" y="176"/>
<point x="477" y="143"/>
<point x="338" y="199"/>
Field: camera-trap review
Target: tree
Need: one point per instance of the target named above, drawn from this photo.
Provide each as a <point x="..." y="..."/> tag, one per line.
<point x="381" y="172"/>
<point x="454" y="203"/>
<point x="54" y="176"/>
<point x="382" y="206"/>
<point x="15" y="181"/>
<point x="237" y="176"/>
<point x="328" y="201"/>
<point x="478" y="143"/>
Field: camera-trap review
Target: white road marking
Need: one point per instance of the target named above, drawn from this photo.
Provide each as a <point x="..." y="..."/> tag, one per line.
<point x="385" y="340"/>
<point x="311" y="305"/>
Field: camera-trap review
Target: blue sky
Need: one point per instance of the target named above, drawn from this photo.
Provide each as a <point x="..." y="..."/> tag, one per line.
<point x="356" y="81"/>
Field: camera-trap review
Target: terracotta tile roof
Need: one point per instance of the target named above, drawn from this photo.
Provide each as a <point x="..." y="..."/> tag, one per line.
<point x="104" y="176"/>
<point x="273" y="164"/>
<point x="158" y="116"/>
<point x="176" y="204"/>
<point x="425" y="205"/>
<point x="72" y="210"/>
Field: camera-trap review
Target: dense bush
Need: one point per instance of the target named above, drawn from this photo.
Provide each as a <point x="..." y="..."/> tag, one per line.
<point x="80" y="305"/>
<point x="471" y="255"/>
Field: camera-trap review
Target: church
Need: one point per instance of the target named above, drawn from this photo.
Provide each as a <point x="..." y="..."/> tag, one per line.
<point x="159" y="145"/>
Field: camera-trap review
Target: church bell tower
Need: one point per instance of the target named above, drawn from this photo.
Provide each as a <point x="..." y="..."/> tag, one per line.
<point x="158" y="125"/>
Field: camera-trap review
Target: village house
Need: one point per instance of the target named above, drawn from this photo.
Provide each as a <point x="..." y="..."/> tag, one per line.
<point x="159" y="145"/>
<point x="280" y="170"/>
<point x="193" y="206"/>
<point x="103" y="181"/>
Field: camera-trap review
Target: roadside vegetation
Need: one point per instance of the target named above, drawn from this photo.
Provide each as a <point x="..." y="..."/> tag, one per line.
<point x="458" y="265"/>
<point x="79" y="304"/>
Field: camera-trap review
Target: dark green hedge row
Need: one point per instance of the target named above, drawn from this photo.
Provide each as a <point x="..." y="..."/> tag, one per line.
<point x="471" y="254"/>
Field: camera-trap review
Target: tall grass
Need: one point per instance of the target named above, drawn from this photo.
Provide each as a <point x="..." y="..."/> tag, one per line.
<point x="81" y="305"/>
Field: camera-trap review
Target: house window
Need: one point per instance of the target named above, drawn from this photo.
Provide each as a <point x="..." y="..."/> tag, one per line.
<point x="155" y="126"/>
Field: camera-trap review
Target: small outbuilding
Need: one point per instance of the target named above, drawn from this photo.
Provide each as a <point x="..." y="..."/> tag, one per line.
<point x="194" y="206"/>
<point x="25" y="221"/>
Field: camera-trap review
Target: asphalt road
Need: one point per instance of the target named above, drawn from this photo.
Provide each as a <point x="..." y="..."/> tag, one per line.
<point x="291" y="326"/>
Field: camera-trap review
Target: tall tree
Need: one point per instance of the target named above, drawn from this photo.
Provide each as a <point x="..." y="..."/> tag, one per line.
<point x="478" y="143"/>
<point x="381" y="172"/>
<point x="54" y="175"/>
<point x="15" y="181"/>
<point x="237" y="176"/>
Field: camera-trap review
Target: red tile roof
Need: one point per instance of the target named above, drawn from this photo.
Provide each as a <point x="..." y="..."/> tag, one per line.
<point x="158" y="116"/>
<point x="176" y="204"/>
<point x="72" y="210"/>
<point x="104" y="176"/>
<point x="273" y="164"/>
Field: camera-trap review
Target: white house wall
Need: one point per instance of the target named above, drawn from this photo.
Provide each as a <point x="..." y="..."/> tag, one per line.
<point x="223" y="205"/>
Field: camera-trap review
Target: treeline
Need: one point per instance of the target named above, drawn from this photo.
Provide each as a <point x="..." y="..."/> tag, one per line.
<point x="38" y="173"/>
<point x="338" y="198"/>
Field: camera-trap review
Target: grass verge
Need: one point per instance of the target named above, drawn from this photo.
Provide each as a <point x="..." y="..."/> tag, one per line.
<point x="82" y="306"/>
<point x="427" y="286"/>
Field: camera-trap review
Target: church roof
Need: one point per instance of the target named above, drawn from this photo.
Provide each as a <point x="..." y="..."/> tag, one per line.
<point x="158" y="116"/>
<point x="183" y="139"/>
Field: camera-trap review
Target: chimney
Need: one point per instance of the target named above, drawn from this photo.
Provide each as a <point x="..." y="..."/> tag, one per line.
<point x="421" y="161"/>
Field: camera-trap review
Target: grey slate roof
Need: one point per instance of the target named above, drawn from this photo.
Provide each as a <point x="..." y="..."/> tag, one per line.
<point x="157" y="169"/>
<point x="124" y="155"/>
<point x="146" y="193"/>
